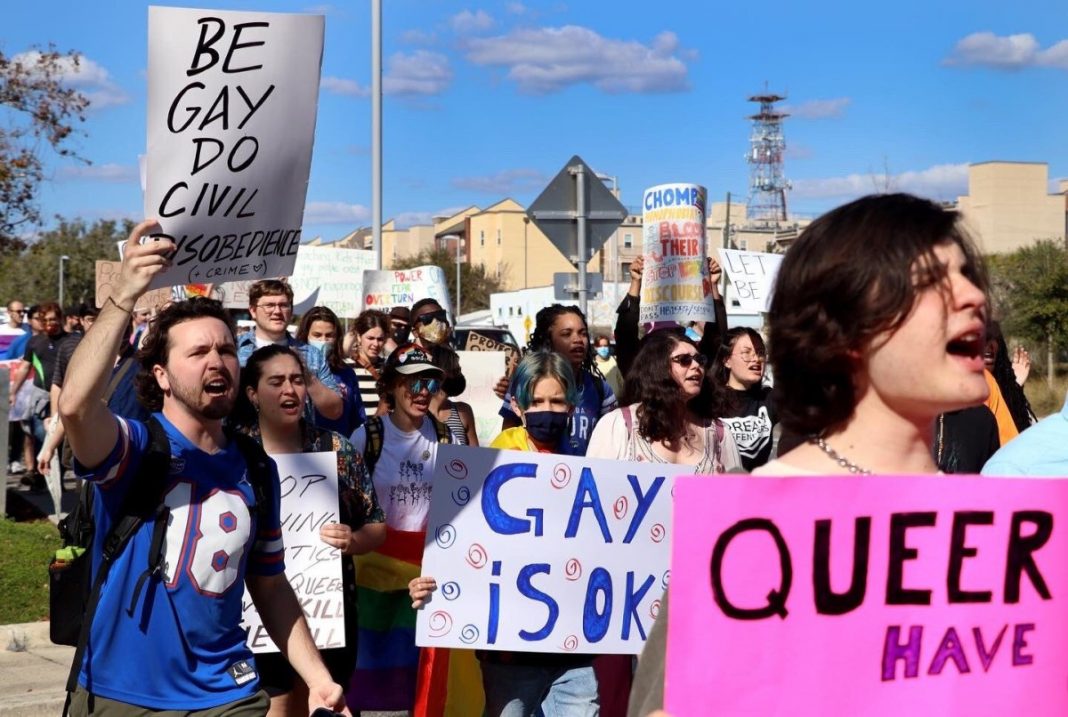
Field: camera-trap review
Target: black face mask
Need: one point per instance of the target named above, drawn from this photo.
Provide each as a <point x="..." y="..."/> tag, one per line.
<point x="546" y="427"/>
<point x="454" y="385"/>
<point x="400" y="334"/>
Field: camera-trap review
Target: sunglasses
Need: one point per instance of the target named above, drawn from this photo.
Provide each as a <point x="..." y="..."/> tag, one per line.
<point x="427" y="319"/>
<point x="686" y="360"/>
<point x="416" y="385"/>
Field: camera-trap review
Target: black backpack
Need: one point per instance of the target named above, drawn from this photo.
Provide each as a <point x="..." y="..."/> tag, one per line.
<point x="73" y="590"/>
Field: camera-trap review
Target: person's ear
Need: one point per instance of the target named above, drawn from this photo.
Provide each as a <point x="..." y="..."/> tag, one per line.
<point x="161" y="377"/>
<point x="515" y="409"/>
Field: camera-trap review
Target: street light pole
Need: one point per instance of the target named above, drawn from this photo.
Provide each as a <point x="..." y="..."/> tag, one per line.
<point x="376" y="130"/>
<point x="62" y="261"/>
<point x="526" y="256"/>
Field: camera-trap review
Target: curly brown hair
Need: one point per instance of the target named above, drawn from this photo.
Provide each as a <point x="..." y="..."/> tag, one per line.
<point x="853" y="274"/>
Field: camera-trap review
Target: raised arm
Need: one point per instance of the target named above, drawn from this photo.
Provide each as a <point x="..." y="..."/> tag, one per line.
<point x="90" y="426"/>
<point x="627" y="319"/>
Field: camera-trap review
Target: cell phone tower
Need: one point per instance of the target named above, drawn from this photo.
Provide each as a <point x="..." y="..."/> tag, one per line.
<point x="767" y="183"/>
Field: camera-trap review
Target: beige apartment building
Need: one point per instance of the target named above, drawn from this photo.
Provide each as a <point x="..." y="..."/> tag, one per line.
<point x="1009" y="205"/>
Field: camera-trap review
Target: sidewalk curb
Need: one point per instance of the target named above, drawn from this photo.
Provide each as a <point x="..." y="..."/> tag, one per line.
<point x="33" y="671"/>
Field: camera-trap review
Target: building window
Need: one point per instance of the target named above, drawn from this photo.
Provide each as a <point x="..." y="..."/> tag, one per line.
<point x="498" y="237"/>
<point x="628" y="240"/>
<point x="626" y="270"/>
<point x="481" y="238"/>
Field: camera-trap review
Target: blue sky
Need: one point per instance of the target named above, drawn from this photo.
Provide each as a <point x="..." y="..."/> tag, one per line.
<point x="487" y="100"/>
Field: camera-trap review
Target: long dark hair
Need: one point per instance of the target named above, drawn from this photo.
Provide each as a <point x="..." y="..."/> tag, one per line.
<point x="1012" y="392"/>
<point x="244" y="414"/>
<point x="722" y="373"/>
<point x="662" y="416"/>
<point x="323" y="313"/>
<point x="542" y="340"/>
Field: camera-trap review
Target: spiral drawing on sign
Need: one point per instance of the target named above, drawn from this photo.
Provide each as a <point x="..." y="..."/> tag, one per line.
<point x="654" y="609"/>
<point x="561" y="476"/>
<point x="665" y="579"/>
<point x="456" y="469"/>
<point x="570" y="643"/>
<point x="620" y="508"/>
<point x="476" y="556"/>
<point x="461" y="496"/>
<point x="440" y="624"/>
<point x="445" y="536"/>
<point x="573" y="569"/>
<point x="469" y="634"/>
<point x="657" y="532"/>
<point x="450" y="590"/>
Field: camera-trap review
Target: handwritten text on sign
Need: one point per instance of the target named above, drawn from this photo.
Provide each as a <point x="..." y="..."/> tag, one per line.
<point x="544" y="553"/>
<point x="308" y="483"/>
<point x="752" y="277"/>
<point x="875" y="596"/>
<point x="336" y="273"/>
<point x="385" y="289"/>
<point x="231" y="118"/>
<point x="675" y="283"/>
<point x="107" y="273"/>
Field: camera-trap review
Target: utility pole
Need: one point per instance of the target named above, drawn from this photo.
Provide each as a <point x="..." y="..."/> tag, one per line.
<point x="376" y="130"/>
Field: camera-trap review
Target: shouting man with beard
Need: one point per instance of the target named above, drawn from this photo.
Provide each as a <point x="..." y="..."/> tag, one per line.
<point x="175" y="642"/>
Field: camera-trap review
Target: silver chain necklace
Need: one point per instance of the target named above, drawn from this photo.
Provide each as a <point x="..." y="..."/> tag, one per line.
<point x="837" y="457"/>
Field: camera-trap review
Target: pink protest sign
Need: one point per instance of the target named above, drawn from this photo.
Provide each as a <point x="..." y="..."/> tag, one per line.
<point x="940" y="595"/>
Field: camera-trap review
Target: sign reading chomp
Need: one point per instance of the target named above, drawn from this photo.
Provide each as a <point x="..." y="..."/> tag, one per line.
<point x="231" y="118"/>
<point x="897" y="589"/>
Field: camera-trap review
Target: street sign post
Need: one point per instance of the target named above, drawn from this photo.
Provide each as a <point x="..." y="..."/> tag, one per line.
<point x="565" y="285"/>
<point x="578" y="213"/>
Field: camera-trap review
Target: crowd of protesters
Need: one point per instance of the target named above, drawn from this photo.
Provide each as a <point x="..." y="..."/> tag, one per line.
<point x="883" y="358"/>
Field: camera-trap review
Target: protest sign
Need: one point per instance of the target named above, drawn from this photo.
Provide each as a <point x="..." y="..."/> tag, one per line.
<point x="478" y="342"/>
<point x="545" y="553"/>
<point x="8" y="336"/>
<point x="231" y="117"/>
<point x="482" y="370"/>
<point x="751" y="276"/>
<point x="337" y="274"/>
<point x="308" y="483"/>
<point x="385" y="289"/>
<point x="675" y="283"/>
<point x="107" y="273"/>
<point x="878" y="596"/>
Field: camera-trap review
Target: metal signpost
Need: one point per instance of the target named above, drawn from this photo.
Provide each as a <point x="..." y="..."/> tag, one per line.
<point x="578" y="213"/>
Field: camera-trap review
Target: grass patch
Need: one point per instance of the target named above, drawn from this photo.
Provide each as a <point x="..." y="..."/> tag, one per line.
<point x="25" y="549"/>
<point x="1044" y="398"/>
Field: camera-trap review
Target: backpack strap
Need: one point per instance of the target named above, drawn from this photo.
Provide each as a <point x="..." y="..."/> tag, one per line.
<point x="258" y="464"/>
<point x="126" y="364"/>
<point x="441" y="429"/>
<point x="372" y="448"/>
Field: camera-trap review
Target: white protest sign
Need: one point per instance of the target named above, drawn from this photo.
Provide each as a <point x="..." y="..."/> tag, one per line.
<point x="675" y="284"/>
<point x="545" y="553"/>
<point x="752" y="277"/>
<point x="385" y="289"/>
<point x="231" y="117"/>
<point x="308" y="483"/>
<point x="482" y="370"/>
<point x="336" y="273"/>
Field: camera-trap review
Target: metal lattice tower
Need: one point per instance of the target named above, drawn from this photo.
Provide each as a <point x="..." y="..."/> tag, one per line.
<point x="767" y="183"/>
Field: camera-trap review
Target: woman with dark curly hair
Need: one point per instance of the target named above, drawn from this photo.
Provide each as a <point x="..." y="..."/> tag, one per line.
<point x="750" y="414"/>
<point x="672" y="412"/>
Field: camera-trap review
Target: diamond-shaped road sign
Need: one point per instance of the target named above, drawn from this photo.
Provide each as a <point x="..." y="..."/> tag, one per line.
<point x="556" y="211"/>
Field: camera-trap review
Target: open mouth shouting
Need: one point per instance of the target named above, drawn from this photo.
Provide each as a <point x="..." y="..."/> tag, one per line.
<point x="967" y="347"/>
<point x="217" y="387"/>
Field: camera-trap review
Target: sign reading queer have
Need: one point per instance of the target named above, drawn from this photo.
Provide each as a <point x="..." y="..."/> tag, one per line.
<point x="676" y="285"/>
<point x="231" y="117"/>
<point x="545" y="553"/>
<point x="868" y="596"/>
<point x="308" y="483"/>
<point x="385" y="289"/>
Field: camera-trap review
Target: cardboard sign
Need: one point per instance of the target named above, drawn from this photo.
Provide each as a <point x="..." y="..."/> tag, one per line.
<point x="482" y="370"/>
<point x="232" y="99"/>
<point x="308" y="484"/>
<point x="107" y="273"/>
<point x="387" y="288"/>
<point x="752" y="277"/>
<point x="877" y="596"/>
<point x="545" y="553"/>
<point x="676" y="285"/>
<point x="337" y="275"/>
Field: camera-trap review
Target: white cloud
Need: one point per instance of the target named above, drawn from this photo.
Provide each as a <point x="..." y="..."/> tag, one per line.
<point x="407" y="74"/>
<point x="1007" y="52"/>
<point x="942" y="181"/>
<point x="507" y="182"/>
<point x="83" y="74"/>
<point x="466" y="22"/>
<point x="114" y="173"/>
<point x="405" y="220"/>
<point x="336" y="213"/>
<point x="516" y="8"/>
<point x="820" y="109"/>
<point x="418" y="37"/>
<point x="543" y="60"/>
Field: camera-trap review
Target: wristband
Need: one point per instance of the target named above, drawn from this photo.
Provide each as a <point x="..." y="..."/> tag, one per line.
<point x="120" y="308"/>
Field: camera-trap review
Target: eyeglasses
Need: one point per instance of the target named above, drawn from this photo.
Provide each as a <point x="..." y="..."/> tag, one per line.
<point x="748" y="355"/>
<point x="686" y="360"/>
<point x="416" y="385"/>
<point x="271" y="308"/>
<point x="427" y="319"/>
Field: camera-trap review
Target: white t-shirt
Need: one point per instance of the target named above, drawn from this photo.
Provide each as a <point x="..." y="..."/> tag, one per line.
<point x="403" y="473"/>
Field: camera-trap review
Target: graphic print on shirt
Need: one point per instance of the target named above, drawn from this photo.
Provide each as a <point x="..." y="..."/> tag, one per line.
<point x="206" y="540"/>
<point x="413" y="489"/>
<point x="751" y="433"/>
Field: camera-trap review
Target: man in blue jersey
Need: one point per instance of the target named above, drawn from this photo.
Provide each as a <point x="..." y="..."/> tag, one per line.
<point x="175" y="642"/>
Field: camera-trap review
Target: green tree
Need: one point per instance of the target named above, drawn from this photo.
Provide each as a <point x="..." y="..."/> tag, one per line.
<point x="32" y="274"/>
<point x="36" y="110"/>
<point x="1030" y="288"/>
<point x="475" y="283"/>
